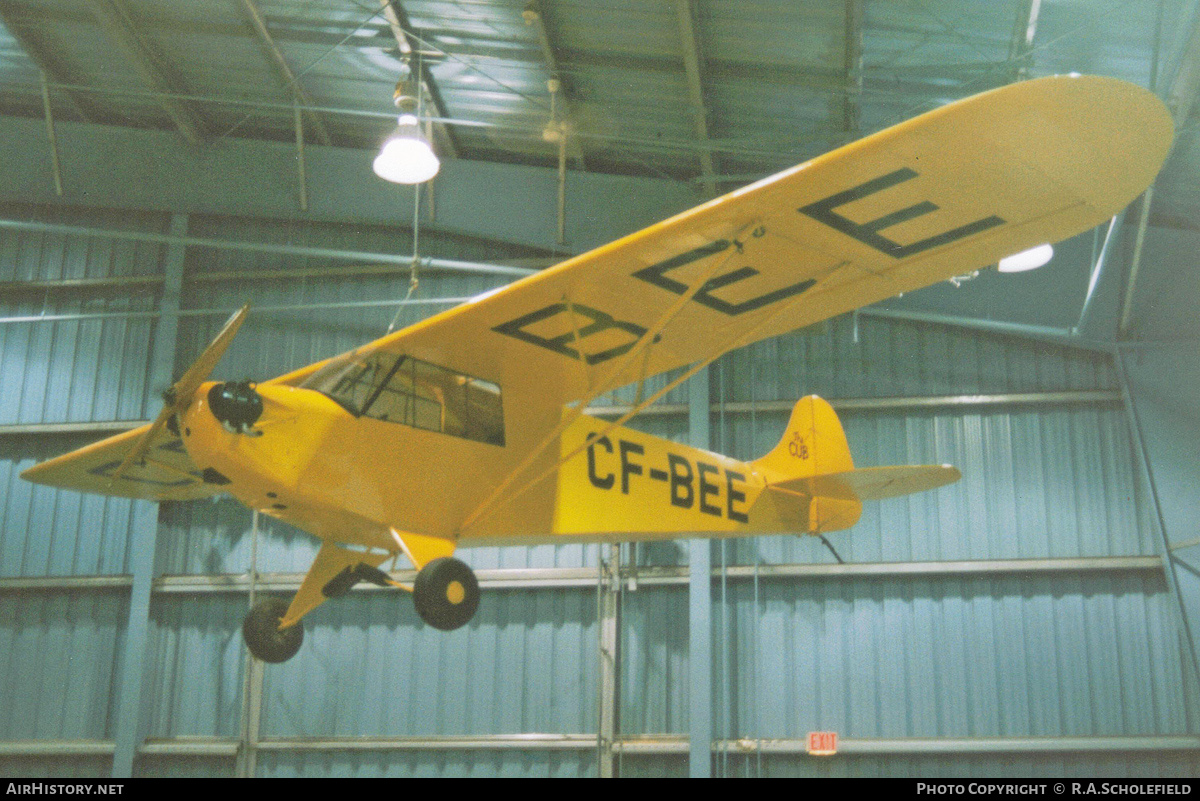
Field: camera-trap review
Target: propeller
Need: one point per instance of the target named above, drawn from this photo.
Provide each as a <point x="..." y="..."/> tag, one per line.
<point x="179" y="395"/>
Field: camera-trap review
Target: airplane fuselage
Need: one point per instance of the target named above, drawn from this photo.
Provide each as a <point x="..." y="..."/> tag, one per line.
<point x="310" y="462"/>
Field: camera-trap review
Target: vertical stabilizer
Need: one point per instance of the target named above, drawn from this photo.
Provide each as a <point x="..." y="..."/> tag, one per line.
<point x="812" y="481"/>
<point x="813" y="443"/>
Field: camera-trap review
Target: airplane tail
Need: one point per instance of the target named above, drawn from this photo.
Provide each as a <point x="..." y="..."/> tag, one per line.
<point x="813" y="443"/>
<point x="812" y="478"/>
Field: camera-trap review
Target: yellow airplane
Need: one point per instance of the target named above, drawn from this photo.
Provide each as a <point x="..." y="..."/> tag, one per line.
<point x="469" y="428"/>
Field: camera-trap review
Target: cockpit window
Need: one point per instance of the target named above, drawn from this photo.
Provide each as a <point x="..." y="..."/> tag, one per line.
<point x="401" y="389"/>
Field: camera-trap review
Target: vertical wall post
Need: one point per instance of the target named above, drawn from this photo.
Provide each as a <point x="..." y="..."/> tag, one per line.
<point x="700" y="662"/>
<point x="608" y="609"/>
<point x="252" y="686"/>
<point x="131" y="720"/>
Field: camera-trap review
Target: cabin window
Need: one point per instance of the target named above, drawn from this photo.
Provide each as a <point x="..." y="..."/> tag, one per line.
<point x="401" y="389"/>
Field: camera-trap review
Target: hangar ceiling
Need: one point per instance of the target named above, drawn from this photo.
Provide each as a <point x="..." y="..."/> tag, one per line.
<point x="714" y="94"/>
<point x="701" y="97"/>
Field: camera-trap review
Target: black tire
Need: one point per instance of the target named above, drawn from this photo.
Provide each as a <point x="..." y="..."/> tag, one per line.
<point x="263" y="636"/>
<point x="446" y="594"/>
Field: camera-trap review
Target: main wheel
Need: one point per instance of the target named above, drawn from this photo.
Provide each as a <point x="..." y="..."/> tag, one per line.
<point x="263" y="636"/>
<point x="446" y="593"/>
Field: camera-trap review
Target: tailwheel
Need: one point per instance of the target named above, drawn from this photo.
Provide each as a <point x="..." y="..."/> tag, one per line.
<point x="446" y="593"/>
<point x="264" y="638"/>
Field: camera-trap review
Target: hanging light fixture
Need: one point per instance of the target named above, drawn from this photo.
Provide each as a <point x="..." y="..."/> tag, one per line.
<point x="1026" y="260"/>
<point x="406" y="156"/>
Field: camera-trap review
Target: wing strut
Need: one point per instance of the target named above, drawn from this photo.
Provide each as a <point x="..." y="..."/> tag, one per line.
<point x="736" y="342"/>
<point x="647" y="339"/>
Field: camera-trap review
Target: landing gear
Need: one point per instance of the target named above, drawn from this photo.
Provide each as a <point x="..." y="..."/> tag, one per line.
<point x="446" y="593"/>
<point x="264" y="638"/>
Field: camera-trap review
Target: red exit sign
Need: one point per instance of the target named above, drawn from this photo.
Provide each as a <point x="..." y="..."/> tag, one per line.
<point x="822" y="743"/>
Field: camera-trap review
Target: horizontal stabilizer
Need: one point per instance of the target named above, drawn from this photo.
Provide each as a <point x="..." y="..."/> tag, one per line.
<point x="872" y="483"/>
<point x="164" y="472"/>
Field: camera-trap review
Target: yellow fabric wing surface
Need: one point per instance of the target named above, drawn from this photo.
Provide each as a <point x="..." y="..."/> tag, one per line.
<point x="165" y="473"/>
<point x="939" y="195"/>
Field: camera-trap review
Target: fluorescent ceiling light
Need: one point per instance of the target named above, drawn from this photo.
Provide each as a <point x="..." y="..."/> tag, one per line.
<point x="1026" y="259"/>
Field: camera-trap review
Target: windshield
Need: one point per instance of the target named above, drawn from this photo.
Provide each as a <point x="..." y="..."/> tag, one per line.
<point x="399" y="389"/>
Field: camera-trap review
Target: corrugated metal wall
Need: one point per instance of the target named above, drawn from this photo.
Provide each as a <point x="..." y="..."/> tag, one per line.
<point x="959" y="655"/>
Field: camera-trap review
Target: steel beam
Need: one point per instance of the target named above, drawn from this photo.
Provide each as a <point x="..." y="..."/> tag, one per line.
<point x="131" y="281"/>
<point x="646" y="745"/>
<point x="585" y="578"/>
<point x="852" y="66"/>
<point x="154" y="171"/>
<point x="50" y="429"/>
<point x="1024" y="31"/>
<point x="768" y="148"/>
<point x="66" y="584"/>
<point x="654" y="745"/>
<point x="427" y="265"/>
<point x="912" y="81"/>
<point x="115" y="18"/>
<point x="533" y="15"/>
<point x="55" y="166"/>
<point x="1057" y="336"/>
<point x="350" y="304"/>
<point x="56" y="748"/>
<point x="283" y="71"/>
<point x="301" y="174"/>
<point x="131" y="719"/>
<point x="47" y="62"/>
<point x="1068" y="397"/>
<point x="1091" y="396"/>
<point x="1135" y="263"/>
<point x="689" y="37"/>
<point x="608" y="609"/>
<point x="402" y="30"/>
<point x="260" y="247"/>
<point x="1169" y="564"/>
<point x="1184" y="87"/>
<point x="252" y="686"/>
<point x="1180" y="96"/>
<point x="700" y="575"/>
<point x="490" y="742"/>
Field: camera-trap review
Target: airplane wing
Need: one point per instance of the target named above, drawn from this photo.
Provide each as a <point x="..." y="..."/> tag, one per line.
<point x="149" y="462"/>
<point x="163" y="473"/>
<point x="939" y="195"/>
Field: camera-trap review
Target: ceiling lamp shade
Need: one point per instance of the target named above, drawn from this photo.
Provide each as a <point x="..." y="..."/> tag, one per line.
<point x="1026" y="260"/>
<point x="406" y="156"/>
